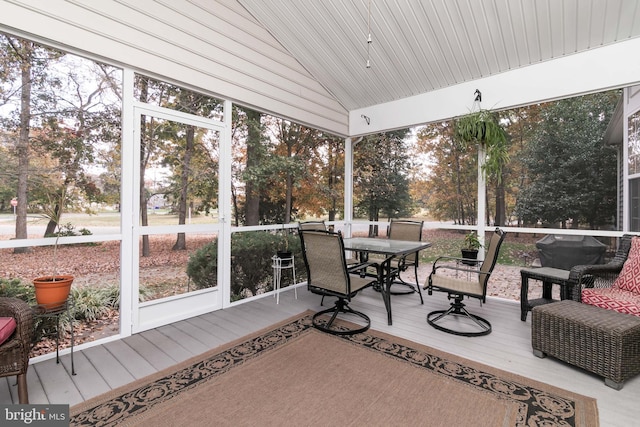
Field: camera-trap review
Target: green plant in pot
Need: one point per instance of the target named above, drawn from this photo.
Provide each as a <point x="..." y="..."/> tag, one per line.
<point x="52" y="291"/>
<point x="283" y="251"/>
<point x="470" y="247"/>
<point x="483" y="128"/>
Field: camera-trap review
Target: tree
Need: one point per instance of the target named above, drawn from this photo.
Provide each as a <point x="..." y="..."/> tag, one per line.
<point x="381" y="183"/>
<point x="30" y="62"/>
<point x="452" y="181"/>
<point x="571" y="173"/>
<point x="187" y="138"/>
<point x="520" y="124"/>
<point x="252" y="176"/>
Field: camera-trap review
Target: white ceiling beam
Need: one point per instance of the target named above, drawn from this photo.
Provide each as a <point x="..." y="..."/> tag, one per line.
<point x="611" y="66"/>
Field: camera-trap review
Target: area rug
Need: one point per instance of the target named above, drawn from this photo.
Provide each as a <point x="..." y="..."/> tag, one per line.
<point x="293" y="374"/>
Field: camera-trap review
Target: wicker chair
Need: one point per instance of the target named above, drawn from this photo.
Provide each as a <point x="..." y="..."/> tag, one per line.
<point x="327" y="275"/>
<point x="599" y="275"/>
<point x="14" y="353"/>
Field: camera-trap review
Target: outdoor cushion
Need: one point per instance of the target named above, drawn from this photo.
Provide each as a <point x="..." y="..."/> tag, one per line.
<point x="7" y="326"/>
<point x="619" y="300"/>
<point x="629" y="277"/>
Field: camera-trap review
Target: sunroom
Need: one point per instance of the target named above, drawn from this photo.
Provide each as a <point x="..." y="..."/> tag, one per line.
<point x="348" y="69"/>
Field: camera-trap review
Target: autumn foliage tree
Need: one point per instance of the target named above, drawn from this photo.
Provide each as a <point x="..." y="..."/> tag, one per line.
<point x="452" y="180"/>
<point x="381" y="177"/>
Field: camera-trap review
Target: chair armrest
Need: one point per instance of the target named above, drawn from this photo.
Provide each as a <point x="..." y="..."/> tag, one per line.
<point x="22" y="313"/>
<point x="439" y="263"/>
<point x="593" y="276"/>
<point x="356" y="268"/>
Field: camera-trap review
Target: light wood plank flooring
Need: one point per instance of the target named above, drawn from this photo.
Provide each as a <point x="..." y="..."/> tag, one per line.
<point x="109" y="365"/>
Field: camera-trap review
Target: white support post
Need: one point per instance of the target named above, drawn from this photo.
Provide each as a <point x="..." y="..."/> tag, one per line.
<point x="482" y="197"/>
<point x="348" y="186"/>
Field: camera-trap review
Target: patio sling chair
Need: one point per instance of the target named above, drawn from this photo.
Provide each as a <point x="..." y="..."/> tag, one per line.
<point x="312" y="226"/>
<point x="15" y="336"/>
<point x="321" y="226"/>
<point x="467" y="282"/>
<point x="410" y="231"/>
<point x="327" y="275"/>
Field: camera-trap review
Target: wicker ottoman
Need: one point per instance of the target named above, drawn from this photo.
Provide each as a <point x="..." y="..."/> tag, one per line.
<point x="601" y="341"/>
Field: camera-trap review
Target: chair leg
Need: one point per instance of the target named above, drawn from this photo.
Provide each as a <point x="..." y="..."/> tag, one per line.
<point x="457" y="308"/>
<point x="412" y="287"/>
<point x="341" y="306"/>
<point x="23" y="394"/>
<point x="415" y="269"/>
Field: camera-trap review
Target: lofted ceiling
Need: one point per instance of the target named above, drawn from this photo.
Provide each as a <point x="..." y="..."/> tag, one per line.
<point x="422" y="46"/>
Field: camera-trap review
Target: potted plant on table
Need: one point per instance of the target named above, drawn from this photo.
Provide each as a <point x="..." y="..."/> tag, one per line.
<point x="52" y="291"/>
<point x="470" y="247"/>
<point x="284" y="253"/>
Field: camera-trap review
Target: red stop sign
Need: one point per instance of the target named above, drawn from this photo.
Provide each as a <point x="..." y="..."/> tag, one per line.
<point x="14" y="202"/>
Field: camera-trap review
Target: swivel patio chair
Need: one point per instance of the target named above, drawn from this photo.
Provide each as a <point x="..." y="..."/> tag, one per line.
<point x="327" y="275"/>
<point x="410" y="231"/>
<point x="14" y="352"/>
<point x="312" y="225"/>
<point x="458" y="287"/>
<point x="320" y="225"/>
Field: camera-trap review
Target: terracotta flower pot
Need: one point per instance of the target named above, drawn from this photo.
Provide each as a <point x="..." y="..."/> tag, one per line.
<point x="52" y="293"/>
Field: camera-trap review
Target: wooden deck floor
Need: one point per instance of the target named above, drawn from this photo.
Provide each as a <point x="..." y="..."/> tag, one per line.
<point x="103" y="367"/>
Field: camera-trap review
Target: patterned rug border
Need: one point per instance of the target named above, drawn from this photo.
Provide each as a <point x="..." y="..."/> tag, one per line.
<point x="538" y="403"/>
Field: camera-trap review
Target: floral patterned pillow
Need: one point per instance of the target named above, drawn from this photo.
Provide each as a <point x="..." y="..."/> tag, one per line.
<point x="629" y="277"/>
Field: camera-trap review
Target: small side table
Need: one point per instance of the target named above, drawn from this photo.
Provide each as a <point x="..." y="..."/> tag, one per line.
<point x="548" y="276"/>
<point x="278" y="265"/>
<point x="43" y="312"/>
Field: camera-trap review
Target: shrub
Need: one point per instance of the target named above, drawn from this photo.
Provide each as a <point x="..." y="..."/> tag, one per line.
<point x="251" y="265"/>
<point x="89" y="304"/>
<point x="14" y="288"/>
<point x="94" y="303"/>
<point x="202" y="267"/>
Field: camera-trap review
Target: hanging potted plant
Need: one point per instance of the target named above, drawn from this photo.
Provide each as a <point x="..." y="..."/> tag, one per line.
<point x="52" y="291"/>
<point x="470" y="247"/>
<point x="482" y="127"/>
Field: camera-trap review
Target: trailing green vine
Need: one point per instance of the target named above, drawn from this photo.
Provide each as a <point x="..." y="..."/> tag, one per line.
<point x="482" y="127"/>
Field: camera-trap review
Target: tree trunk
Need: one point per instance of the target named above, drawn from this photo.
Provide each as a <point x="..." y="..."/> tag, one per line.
<point x="181" y="242"/>
<point x="144" y="220"/>
<point x="236" y="208"/>
<point x="288" y="190"/>
<point x="52" y="224"/>
<point x="252" y="204"/>
<point x="22" y="146"/>
<point x="461" y="214"/>
<point x="331" y="183"/>
<point x="500" y="217"/>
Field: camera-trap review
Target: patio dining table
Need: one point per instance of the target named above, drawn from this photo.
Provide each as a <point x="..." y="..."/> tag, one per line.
<point x="390" y="249"/>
